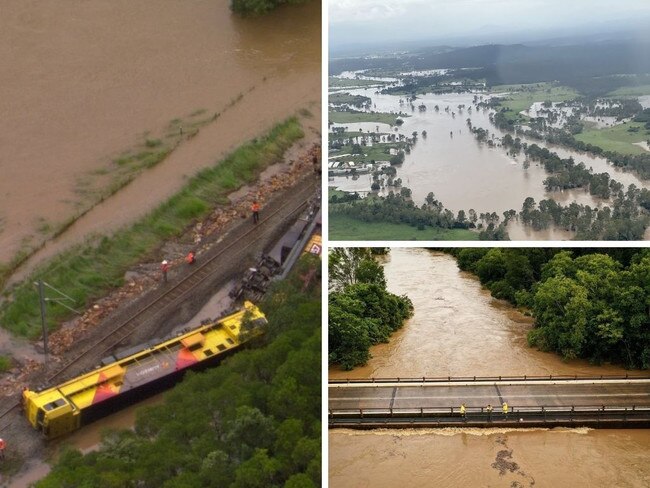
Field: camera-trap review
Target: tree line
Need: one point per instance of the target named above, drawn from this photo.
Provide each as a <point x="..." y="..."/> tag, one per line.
<point x="361" y="311"/>
<point x="399" y="208"/>
<point x="253" y="421"/>
<point x="587" y="303"/>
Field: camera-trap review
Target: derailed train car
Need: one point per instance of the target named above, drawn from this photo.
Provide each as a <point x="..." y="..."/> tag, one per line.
<point x="303" y="237"/>
<point x="129" y="376"/>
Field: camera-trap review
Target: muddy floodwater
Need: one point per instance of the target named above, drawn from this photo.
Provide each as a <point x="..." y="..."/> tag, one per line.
<point x="459" y="329"/>
<point x="83" y="80"/>
<point x="460" y="171"/>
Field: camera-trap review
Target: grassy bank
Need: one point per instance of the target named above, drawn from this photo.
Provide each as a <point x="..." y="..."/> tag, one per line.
<point x="89" y="271"/>
<point x="348" y="229"/>
<point x="618" y="138"/>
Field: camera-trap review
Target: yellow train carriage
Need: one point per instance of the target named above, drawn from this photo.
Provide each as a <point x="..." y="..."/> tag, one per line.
<point x="64" y="408"/>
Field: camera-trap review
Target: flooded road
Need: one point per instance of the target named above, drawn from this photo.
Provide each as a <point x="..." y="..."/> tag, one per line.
<point x="82" y="81"/>
<point x="460" y="171"/>
<point x="459" y="329"/>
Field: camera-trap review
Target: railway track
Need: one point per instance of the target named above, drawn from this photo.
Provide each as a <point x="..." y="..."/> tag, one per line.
<point x="179" y="291"/>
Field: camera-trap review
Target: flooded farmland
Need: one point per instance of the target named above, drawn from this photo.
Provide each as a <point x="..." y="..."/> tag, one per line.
<point x="459" y="329"/>
<point x="462" y="172"/>
<point x="83" y="80"/>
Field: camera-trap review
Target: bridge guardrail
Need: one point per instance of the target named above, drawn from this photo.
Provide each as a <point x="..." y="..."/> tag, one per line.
<point x="515" y="413"/>
<point x="450" y="379"/>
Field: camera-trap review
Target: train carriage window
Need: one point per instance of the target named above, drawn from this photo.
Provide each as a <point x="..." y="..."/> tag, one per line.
<point x="230" y="341"/>
<point x="208" y="352"/>
<point x="221" y="347"/>
<point x="55" y="404"/>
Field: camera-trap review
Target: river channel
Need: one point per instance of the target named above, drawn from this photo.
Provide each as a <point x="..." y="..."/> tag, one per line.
<point x="459" y="329"/>
<point x="460" y="171"/>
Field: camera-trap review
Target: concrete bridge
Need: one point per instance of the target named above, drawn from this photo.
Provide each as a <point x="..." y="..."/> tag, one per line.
<point x="533" y="401"/>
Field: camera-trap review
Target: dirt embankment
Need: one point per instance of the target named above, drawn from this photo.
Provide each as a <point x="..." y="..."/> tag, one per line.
<point x="282" y="185"/>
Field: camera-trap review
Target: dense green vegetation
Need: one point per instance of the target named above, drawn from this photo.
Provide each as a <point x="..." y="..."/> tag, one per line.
<point x="587" y="303"/>
<point x="257" y="7"/>
<point x="90" y="270"/>
<point x="252" y="422"/>
<point x="361" y="311"/>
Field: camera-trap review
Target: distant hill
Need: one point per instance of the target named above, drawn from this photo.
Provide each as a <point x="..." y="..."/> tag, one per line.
<point x="518" y="63"/>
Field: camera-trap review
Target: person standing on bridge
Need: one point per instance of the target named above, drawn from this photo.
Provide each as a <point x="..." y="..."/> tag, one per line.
<point x="463" y="411"/>
<point x="164" y="268"/>
<point x="488" y="409"/>
<point x="505" y="409"/>
<point x="255" y="208"/>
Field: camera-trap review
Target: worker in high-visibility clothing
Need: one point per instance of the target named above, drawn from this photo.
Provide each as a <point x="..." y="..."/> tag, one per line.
<point x="462" y="409"/>
<point x="3" y="445"/>
<point x="255" y="208"/>
<point x="505" y="409"/>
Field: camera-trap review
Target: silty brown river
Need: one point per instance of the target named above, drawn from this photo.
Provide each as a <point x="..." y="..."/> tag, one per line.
<point x="459" y="329"/>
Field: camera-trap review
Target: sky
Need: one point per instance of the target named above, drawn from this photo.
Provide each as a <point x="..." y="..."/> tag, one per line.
<point x="373" y="21"/>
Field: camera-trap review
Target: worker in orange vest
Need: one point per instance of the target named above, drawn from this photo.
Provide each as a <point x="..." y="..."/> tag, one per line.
<point x="190" y="257"/>
<point x="3" y="444"/>
<point x="256" y="211"/>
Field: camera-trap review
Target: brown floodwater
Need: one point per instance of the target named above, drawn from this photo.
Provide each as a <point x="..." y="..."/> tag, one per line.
<point x="82" y="80"/>
<point x="458" y="329"/>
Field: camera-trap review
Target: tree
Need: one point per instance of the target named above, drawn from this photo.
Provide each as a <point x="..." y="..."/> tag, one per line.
<point x="343" y="264"/>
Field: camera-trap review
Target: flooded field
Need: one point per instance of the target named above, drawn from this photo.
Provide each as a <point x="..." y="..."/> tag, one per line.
<point x="459" y="329"/>
<point x="84" y="80"/>
<point x="460" y="171"/>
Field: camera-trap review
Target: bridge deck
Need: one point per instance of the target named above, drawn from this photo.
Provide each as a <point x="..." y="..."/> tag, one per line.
<point x="595" y="400"/>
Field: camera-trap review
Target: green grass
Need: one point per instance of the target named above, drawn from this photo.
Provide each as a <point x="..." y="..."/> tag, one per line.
<point x="630" y="91"/>
<point x="376" y="152"/>
<point x="5" y="363"/>
<point x="617" y="138"/>
<point x="333" y="191"/>
<point x="352" y="117"/>
<point x="525" y="95"/>
<point x="348" y="229"/>
<point x="91" y="270"/>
